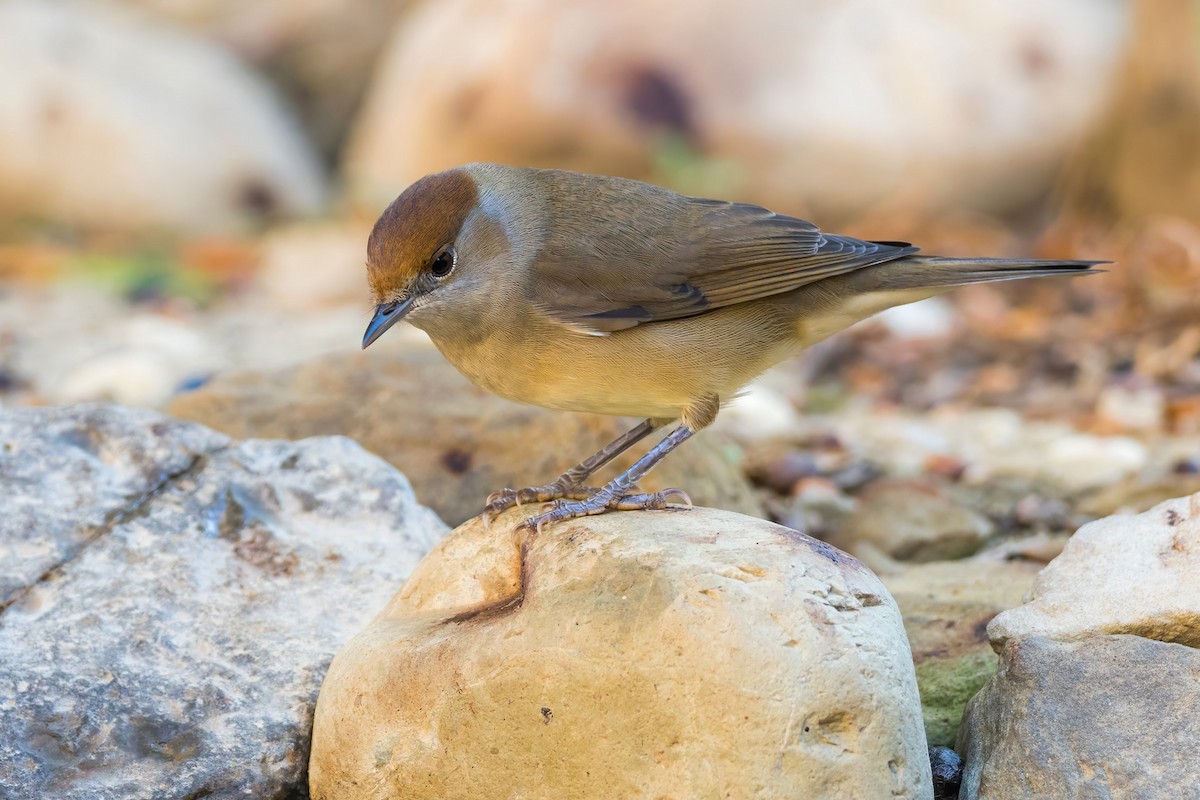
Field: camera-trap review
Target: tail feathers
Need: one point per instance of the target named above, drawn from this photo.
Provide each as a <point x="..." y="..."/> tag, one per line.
<point x="936" y="272"/>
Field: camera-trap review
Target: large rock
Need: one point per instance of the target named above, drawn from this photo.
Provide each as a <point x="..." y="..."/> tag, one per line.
<point x="456" y="442"/>
<point x="170" y="599"/>
<point x="320" y="52"/>
<point x="1108" y="716"/>
<point x="810" y="107"/>
<point x="946" y="607"/>
<point x="1121" y="574"/>
<point x="640" y="655"/>
<point x="108" y="120"/>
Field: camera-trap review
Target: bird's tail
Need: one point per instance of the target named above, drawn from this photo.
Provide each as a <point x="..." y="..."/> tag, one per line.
<point x="937" y="274"/>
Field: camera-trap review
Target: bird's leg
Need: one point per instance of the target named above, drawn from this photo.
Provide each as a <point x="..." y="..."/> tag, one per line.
<point x="615" y="495"/>
<point x="570" y="483"/>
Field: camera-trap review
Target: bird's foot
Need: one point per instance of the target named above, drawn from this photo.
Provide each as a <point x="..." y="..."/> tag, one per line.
<point x="502" y="500"/>
<point x="598" y="502"/>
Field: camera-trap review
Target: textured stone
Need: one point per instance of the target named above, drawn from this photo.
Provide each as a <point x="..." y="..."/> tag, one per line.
<point x="640" y="655"/>
<point x="1106" y="717"/>
<point x="805" y="106"/>
<point x="172" y="599"/>
<point x="456" y="442"/>
<point x="94" y="100"/>
<point x="1121" y="574"/>
<point x="946" y="608"/>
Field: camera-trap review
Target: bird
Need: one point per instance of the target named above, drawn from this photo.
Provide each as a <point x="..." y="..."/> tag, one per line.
<point x="609" y="295"/>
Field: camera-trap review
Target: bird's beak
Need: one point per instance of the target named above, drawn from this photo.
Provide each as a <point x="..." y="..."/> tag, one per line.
<point x="386" y="315"/>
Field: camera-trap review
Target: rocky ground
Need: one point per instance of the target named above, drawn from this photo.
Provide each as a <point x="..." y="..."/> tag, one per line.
<point x="968" y="524"/>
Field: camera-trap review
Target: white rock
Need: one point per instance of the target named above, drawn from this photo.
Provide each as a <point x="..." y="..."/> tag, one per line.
<point x="1121" y="574"/>
<point x="632" y="655"/>
<point x="926" y="319"/>
<point x="811" y="105"/>
<point x="758" y="414"/>
<point x="306" y="267"/>
<point x="108" y="120"/>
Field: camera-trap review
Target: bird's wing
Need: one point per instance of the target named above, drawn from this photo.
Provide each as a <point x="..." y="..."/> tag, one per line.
<point x="730" y="253"/>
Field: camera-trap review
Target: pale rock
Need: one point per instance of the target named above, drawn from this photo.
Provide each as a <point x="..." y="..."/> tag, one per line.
<point x="1132" y="408"/>
<point x="758" y="413"/>
<point x="170" y="599"/>
<point x="637" y="655"/>
<point x="1104" y="717"/>
<point x="931" y="318"/>
<point x="307" y="267"/>
<point x="814" y="107"/>
<point x="1120" y="574"/>
<point x="109" y="120"/>
<point x="320" y="53"/>
<point x="457" y="442"/>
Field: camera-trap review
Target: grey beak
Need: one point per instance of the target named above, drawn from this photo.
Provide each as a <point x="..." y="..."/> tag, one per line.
<point x="386" y="315"/>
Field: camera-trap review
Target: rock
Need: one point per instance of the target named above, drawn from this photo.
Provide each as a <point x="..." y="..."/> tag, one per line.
<point x="457" y="442"/>
<point x="321" y="53"/>
<point x="912" y="521"/>
<point x="81" y="85"/>
<point x="170" y="599"/>
<point x="1107" y="716"/>
<point x="947" y="772"/>
<point x="946" y="608"/>
<point x="1122" y="574"/>
<point x="808" y="107"/>
<point x="307" y="267"/>
<point x="655" y="654"/>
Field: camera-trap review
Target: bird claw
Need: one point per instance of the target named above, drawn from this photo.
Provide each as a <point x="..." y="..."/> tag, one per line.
<point x="598" y="502"/>
<point x="503" y="499"/>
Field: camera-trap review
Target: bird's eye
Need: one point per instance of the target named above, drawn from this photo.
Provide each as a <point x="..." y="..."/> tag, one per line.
<point x="443" y="262"/>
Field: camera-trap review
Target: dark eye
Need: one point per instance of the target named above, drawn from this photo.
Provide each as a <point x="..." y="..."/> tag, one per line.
<point x="443" y="262"/>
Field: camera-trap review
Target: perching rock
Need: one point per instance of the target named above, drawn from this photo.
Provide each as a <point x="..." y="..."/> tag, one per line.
<point x="809" y="107"/>
<point x="170" y="599"/>
<point x="1107" y="716"/>
<point x="1122" y="574"/>
<point x="635" y="655"/>
<point x="456" y="442"/>
<point x="108" y="120"/>
<point x="946" y="607"/>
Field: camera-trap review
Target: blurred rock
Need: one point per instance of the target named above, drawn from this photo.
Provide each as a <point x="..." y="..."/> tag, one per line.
<point x="457" y="442"/>
<point x="1108" y="716"/>
<point x="729" y="653"/>
<point x="319" y="52"/>
<point x="1122" y="574"/>
<point x="306" y="266"/>
<point x="757" y="414"/>
<point x="946" y="608"/>
<point x="817" y="507"/>
<point x="170" y="599"/>
<point x="113" y="122"/>
<point x="912" y="520"/>
<point x="1132" y="408"/>
<point x="807" y="107"/>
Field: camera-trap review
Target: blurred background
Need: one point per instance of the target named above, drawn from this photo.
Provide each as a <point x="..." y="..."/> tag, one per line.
<point x="186" y="186"/>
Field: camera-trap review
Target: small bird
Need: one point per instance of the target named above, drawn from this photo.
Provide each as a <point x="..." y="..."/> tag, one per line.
<point x="595" y="293"/>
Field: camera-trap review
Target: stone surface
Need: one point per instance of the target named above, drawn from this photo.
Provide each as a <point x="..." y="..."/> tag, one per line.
<point x="640" y="655"/>
<point x="810" y="107"/>
<point x="1105" y="717"/>
<point x="321" y="53"/>
<point x="95" y="99"/>
<point x="456" y="442"/>
<point x="171" y="599"/>
<point x="1121" y="574"/>
<point x="946" y="608"/>
<point x="912" y="520"/>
